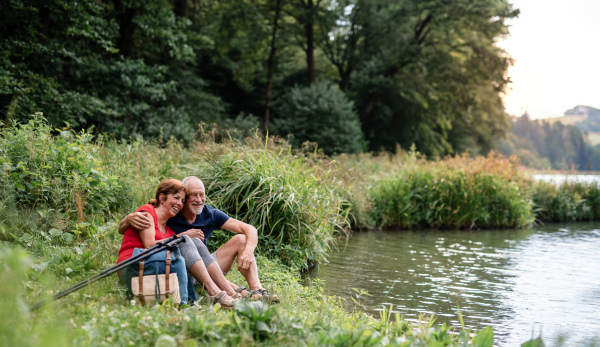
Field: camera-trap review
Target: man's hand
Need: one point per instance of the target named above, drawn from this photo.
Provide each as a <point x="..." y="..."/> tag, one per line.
<point x="193" y="233"/>
<point x="137" y="220"/>
<point x="245" y="260"/>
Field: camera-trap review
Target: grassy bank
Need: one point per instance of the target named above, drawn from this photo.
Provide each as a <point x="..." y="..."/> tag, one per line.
<point x="62" y="194"/>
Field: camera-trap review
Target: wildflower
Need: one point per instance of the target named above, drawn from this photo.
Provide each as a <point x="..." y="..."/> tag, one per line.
<point x="132" y="302"/>
<point x="186" y="318"/>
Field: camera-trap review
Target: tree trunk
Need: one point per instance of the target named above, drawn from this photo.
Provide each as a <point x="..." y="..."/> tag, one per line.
<point x="310" y="41"/>
<point x="126" y="28"/>
<point x="180" y="8"/>
<point x="270" y="64"/>
<point x="12" y="108"/>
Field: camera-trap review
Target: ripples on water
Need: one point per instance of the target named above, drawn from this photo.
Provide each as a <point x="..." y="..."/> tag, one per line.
<point x="520" y="282"/>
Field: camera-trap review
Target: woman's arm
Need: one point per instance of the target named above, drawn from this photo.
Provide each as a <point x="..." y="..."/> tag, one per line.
<point x="148" y="235"/>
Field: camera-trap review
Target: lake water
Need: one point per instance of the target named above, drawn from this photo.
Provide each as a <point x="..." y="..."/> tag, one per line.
<point x="523" y="283"/>
<point x="560" y="178"/>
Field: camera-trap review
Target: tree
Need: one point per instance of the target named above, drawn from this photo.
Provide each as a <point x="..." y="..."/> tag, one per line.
<point x="323" y="114"/>
<point x="416" y="68"/>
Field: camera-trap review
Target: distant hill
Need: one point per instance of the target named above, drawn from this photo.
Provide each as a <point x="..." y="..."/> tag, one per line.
<point x="585" y="118"/>
<point x="555" y="143"/>
<point x="586" y="111"/>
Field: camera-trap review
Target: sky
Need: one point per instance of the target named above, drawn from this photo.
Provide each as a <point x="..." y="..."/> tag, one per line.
<point x="556" y="48"/>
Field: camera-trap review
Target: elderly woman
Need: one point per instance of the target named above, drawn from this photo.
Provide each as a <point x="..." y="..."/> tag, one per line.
<point x="168" y="201"/>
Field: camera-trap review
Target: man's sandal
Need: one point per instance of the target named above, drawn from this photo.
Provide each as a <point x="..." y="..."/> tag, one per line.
<point x="250" y="294"/>
<point x="267" y="297"/>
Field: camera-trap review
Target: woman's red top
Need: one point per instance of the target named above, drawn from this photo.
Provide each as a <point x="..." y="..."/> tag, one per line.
<point x="132" y="239"/>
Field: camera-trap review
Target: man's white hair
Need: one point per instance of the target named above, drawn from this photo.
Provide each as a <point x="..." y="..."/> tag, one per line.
<point x="187" y="180"/>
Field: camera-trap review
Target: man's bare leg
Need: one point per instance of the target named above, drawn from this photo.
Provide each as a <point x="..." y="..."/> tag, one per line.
<point x="227" y="254"/>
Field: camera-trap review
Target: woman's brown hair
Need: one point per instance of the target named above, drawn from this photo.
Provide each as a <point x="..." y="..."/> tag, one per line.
<point x="168" y="186"/>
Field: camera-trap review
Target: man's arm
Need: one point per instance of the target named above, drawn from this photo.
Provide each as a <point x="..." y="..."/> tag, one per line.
<point x="137" y="220"/>
<point x="251" y="233"/>
<point x="142" y="220"/>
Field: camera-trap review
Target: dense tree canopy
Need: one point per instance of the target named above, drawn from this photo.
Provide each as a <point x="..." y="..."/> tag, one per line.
<point x="423" y="72"/>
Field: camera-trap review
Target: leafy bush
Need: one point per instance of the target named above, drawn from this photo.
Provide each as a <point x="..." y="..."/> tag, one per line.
<point x="320" y="113"/>
<point x="60" y="172"/>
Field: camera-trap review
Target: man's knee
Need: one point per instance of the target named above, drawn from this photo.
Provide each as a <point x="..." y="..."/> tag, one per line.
<point x="239" y="240"/>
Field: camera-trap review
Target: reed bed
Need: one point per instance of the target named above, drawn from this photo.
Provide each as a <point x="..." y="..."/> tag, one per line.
<point x="296" y="204"/>
<point x="568" y="202"/>
<point x="454" y="193"/>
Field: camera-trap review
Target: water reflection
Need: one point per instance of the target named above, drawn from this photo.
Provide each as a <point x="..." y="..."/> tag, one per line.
<point x="517" y="281"/>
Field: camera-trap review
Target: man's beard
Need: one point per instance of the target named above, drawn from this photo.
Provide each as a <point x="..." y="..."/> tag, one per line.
<point x="196" y="209"/>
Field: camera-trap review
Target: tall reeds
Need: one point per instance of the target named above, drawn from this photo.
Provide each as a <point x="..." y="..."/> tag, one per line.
<point x="458" y="192"/>
<point x="568" y="202"/>
<point x="296" y="205"/>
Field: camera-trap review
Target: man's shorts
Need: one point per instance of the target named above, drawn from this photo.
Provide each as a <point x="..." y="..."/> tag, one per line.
<point x="214" y="255"/>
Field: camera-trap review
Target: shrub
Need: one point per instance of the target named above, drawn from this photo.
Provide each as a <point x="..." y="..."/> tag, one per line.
<point x="320" y="113"/>
<point x="63" y="172"/>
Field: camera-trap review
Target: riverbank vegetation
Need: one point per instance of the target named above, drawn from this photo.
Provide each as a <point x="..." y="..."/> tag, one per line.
<point x="63" y="192"/>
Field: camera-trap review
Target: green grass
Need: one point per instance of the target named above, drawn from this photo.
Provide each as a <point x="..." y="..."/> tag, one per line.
<point x="100" y="314"/>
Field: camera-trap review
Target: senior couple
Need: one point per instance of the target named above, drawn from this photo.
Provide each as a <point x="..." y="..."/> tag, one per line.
<point x="179" y="208"/>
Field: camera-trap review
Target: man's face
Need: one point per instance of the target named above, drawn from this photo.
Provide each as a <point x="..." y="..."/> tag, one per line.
<point x="196" y="198"/>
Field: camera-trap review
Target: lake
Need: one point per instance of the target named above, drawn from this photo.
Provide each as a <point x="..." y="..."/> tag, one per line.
<point x="561" y="178"/>
<point x="523" y="283"/>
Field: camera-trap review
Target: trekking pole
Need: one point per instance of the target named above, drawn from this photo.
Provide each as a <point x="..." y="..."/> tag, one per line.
<point x="169" y="243"/>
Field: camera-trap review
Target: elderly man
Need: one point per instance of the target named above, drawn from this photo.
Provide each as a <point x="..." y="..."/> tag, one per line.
<point x="200" y="220"/>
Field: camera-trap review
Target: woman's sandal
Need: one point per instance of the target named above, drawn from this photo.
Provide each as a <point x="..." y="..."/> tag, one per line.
<point x="219" y="298"/>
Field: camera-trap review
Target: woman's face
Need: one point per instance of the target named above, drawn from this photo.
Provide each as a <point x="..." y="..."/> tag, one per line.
<point x="173" y="203"/>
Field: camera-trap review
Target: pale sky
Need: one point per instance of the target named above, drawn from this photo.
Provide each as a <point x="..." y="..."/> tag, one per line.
<point x="556" y="47"/>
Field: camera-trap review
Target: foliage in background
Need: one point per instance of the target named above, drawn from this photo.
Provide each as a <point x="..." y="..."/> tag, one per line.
<point x="322" y="114"/>
<point x="62" y="172"/>
<point x="50" y="180"/>
<point x="112" y="65"/>
<point x="542" y="145"/>
<point x="442" y="74"/>
<point x="422" y="72"/>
